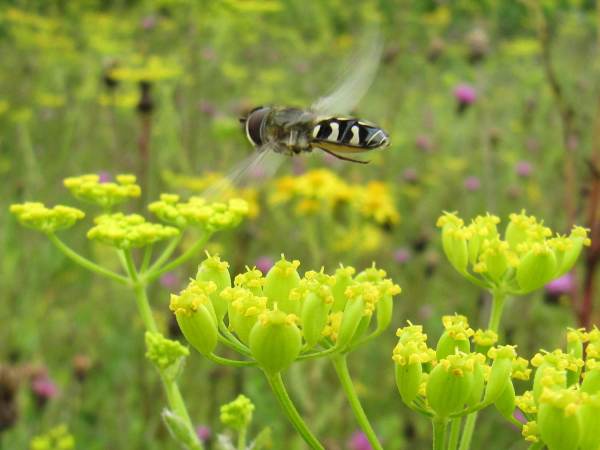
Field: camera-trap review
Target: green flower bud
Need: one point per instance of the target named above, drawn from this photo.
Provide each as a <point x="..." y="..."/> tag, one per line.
<point x="454" y="240"/>
<point x="579" y="239"/>
<point x="372" y="274"/>
<point x="526" y="403"/>
<point x="591" y="379"/>
<point x="179" y="430"/>
<point x="89" y="189"/>
<point x="548" y="377"/>
<point x="217" y="271"/>
<point x="128" y="231"/>
<point x="58" y="438"/>
<point x="384" y="311"/>
<point x="315" y="313"/>
<point x="244" y="309"/>
<point x="499" y="378"/>
<point x="557" y="419"/>
<point x="482" y="228"/>
<point x="506" y="402"/>
<point x="450" y="383"/>
<point x="166" y="354"/>
<point x="455" y="338"/>
<point x="575" y="340"/>
<point x="275" y="341"/>
<point x="238" y="413"/>
<point x="252" y="280"/>
<point x="589" y="416"/>
<point x="47" y="220"/>
<point x="478" y="382"/>
<point x="408" y="380"/>
<point x="520" y="369"/>
<point x="280" y="280"/>
<point x="353" y="314"/>
<point x="531" y="432"/>
<point x="196" y="316"/>
<point x="536" y="268"/>
<point x="518" y="229"/>
<point x="343" y="279"/>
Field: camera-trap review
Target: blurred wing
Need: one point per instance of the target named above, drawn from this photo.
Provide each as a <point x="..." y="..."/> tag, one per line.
<point x="360" y="73"/>
<point x="260" y="165"/>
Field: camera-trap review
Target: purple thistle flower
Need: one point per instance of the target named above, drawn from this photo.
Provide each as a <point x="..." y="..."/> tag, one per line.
<point x="465" y="94"/>
<point x="203" y="432"/>
<point x="207" y="108"/>
<point x="359" y="441"/>
<point x="524" y="169"/>
<point x="410" y="175"/>
<point x="402" y="255"/>
<point x="105" y="177"/>
<point x="561" y="286"/>
<point x="472" y="183"/>
<point x="43" y="389"/>
<point x="264" y="263"/>
<point x="148" y="22"/>
<point x="423" y="143"/>
<point x="169" y="280"/>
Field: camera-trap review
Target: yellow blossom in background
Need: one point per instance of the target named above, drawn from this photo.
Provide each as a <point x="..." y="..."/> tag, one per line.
<point x="376" y="202"/>
<point x="150" y="70"/>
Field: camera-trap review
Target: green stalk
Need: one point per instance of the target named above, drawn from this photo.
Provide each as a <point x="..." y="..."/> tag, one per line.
<point x="340" y="364"/>
<point x="290" y="410"/>
<point x="455" y="425"/>
<point x="242" y="439"/>
<point x="153" y="273"/>
<point x="498" y="301"/>
<point x="174" y="398"/>
<point x="91" y="266"/>
<point x="439" y="433"/>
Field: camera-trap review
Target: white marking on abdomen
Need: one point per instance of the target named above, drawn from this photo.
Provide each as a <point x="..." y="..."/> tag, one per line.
<point x="355" y="135"/>
<point x="316" y="131"/>
<point x="335" y="131"/>
<point x="372" y="137"/>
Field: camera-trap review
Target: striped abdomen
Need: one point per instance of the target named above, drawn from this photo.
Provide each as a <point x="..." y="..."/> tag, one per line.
<point x="348" y="135"/>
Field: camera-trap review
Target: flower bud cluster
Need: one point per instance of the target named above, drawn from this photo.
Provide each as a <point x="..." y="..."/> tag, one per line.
<point x="238" y="413"/>
<point x="463" y="374"/>
<point x="58" y="438"/>
<point x="166" y="354"/>
<point x="47" y="220"/>
<point x="282" y="315"/>
<point x="91" y="189"/>
<point x="526" y="259"/>
<point x="197" y="212"/>
<point x="128" y="231"/>
<point x="563" y="406"/>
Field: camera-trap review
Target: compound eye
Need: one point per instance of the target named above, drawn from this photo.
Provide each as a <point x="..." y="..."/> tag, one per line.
<point x="254" y="125"/>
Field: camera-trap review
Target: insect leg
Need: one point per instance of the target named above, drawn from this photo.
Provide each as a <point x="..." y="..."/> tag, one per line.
<point x="345" y="158"/>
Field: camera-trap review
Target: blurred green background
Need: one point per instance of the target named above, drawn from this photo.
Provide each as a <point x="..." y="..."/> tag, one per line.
<point x="71" y="103"/>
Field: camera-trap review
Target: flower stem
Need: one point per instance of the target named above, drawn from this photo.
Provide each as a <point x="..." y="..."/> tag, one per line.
<point x="439" y="433"/>
<point x="340" y="364"/>
<point x="242" y="439"/>
<point x="172" y="391"/>
<point x="84" y="262"/>
<point x="290" y="410"/>
<point x="454" y="433"/>
<point x="153" y="274"/>
<point x="498" y="301"/>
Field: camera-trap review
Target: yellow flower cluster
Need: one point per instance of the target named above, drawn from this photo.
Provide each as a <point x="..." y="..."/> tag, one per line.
<point x="151" y="70"/>
<point x="47" y="220"/>
<point x="58" y="438"/>
<point x="321" y="190"/>
<point x="90" y="189"/>
<point x="198" y="212"/>
<point x="527" y="258"/>
<point x="128" y="231"/>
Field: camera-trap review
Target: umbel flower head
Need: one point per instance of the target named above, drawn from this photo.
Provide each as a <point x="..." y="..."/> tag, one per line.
<point x="527" y="258"/>
<point x="454" y="380"/>
<point x="47" y="220"/>
<point x="58" y="438"/>
<point x="128" y="231"/>
<point x="281" y="316"/>
<point x="238" y="413"/>
<point x="197" y="212"/>
<point x="92" y="189"/>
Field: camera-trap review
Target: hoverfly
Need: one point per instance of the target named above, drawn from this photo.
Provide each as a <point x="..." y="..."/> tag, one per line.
<point x="279" y="130"/>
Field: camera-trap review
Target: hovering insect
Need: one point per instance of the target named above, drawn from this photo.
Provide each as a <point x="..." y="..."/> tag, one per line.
<point x="278" y="130"/>
<point x="293" y="131"/>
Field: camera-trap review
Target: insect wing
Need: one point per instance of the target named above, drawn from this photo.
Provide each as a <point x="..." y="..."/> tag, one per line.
<point x="262" y="164"/>
<point x="361" y="71"/>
